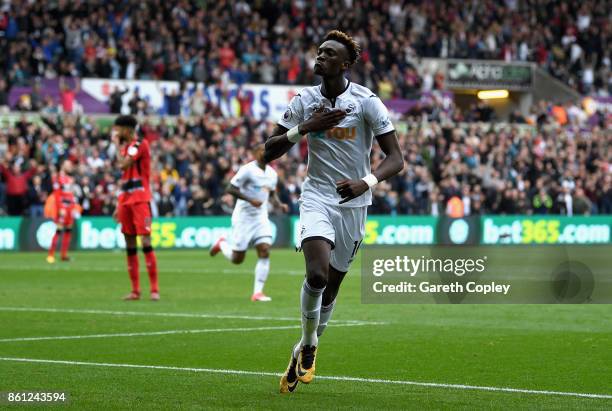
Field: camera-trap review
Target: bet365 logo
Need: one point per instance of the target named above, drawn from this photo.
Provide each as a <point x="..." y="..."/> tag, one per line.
<point x="337" y="133"/>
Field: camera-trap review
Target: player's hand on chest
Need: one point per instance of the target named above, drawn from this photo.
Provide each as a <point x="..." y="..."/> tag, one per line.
<point x="345" y="126"/>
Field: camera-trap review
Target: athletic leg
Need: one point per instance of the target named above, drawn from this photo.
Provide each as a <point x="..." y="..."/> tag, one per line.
<point x="329" y="297"/>
<point x="66" y="238"/>
<point x="126" y="218"/>
<point x="262" y="269"/>
<point x="151" y="262"/>
<point x="349" y="226"/>
<point x="316" y="239"/>
<point x="56" y="237"/>
<point x="132" y="265"/>
<point x="316" y="254"/>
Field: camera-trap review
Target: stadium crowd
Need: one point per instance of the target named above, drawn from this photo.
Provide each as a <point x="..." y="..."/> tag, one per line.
<point x="485" y="168"/>
<point x="272" y="41"/>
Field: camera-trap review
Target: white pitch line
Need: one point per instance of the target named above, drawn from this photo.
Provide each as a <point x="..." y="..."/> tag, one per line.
<point x="116" y="269"/>
<point x="186" y="315"/>
<point x="151" y="333"/>
<point x="320" y="377"/>
<point x="168" y="332"/>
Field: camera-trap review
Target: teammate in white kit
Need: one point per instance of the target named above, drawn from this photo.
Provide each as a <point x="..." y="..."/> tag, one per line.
<point x="253" y="185"/>
<point x="341" y="119"/>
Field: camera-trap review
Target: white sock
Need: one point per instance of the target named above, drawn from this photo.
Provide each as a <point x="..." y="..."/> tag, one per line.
<point x="226" y="249"/>
<point x="326" y="313"/>
<point x="262" y="268"/>
<point x="311" y="310"/>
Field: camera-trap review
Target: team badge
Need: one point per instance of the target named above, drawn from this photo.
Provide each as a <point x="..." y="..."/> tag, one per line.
<point x="350" y="108"/>
<point x="287" y="116"/>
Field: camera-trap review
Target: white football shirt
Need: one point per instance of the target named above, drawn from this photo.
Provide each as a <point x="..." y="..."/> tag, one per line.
<point x="254" y="183"/>
<point x="342" y="152"/>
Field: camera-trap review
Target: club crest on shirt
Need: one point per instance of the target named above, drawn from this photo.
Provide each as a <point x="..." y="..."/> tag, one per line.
<point x="318" y="107"/>
<point x="350" y="108"/>
<point x="287" y="116"/>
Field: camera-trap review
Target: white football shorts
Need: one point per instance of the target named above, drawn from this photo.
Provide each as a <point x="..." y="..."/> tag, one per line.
<point x="342" y="227"/>
<point x="247" y="232"/>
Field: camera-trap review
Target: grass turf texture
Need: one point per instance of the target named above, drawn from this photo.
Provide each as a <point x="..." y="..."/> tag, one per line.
<point x="535" y="347"/>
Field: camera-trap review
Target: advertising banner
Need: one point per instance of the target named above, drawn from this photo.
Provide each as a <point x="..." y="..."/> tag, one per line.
<point x="187" y="232"/>
<point x="103" y="233"/>
<point x="9" y="233"/>
<point x="546" y="229"/>
<point x="486" y="74"/>
<point x="388" y="230"/>
<point x="268" y="102"/>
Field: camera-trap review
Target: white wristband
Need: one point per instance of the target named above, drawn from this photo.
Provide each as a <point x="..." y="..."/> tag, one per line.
<point x="294" y="135"/>
<point x="370" y="180"/>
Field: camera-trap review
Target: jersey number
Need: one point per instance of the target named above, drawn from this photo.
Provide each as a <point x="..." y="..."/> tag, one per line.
<point x="355" y="248"/>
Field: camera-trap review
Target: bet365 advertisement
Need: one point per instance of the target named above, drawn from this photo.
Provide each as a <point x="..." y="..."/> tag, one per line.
<point x="546" y="230"/>
<point x="102" y="233"/>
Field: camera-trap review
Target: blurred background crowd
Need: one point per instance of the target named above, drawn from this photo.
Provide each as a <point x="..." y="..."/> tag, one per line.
<point x="535" y="164"/>
<point x="499" y="169"/>
<point x="265" y="41"/>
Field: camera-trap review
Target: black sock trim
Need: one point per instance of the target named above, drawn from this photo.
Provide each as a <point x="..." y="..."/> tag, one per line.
<point x="131" y="251"/>
<point x="148" y="249"/>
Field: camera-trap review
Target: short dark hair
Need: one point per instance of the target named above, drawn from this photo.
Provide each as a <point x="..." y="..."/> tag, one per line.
<point x="126" y="121"/>
<point x="257" y="146"/>
<point x="347" y="41"/>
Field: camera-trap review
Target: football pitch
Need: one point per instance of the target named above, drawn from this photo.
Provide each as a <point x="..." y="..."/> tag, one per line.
<point x="64" y="327"/>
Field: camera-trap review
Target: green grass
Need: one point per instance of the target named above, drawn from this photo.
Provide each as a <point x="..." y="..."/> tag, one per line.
<point x="535" y="347"/>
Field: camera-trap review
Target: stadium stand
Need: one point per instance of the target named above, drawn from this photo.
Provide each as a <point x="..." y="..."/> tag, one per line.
<point x="271" y="42"/>
<point x="498" y="169"/>
<point x="531" y="165"/>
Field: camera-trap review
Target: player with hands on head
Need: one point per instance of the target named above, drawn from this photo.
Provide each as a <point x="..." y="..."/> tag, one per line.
<point x="133" y="204"/>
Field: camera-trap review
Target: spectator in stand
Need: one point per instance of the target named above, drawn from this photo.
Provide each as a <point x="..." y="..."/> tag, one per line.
<point x="115" y="100"/>
<point x="68" y="95"/>
<point x="4" y="94"/>
<point x="166" y="202"/>
<point x="136" y="102"/>
<point x="17" y="185"/>
<point x="191" y="42"/>
<point x="172" y="103"/>
<point x="36" y="197"/>
<point x="182" y="196"/>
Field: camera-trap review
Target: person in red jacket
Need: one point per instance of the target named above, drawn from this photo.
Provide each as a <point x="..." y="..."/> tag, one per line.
<point x="66" y="210"/>
<point x="17" y="186"/>
<point x="133" y="206"/>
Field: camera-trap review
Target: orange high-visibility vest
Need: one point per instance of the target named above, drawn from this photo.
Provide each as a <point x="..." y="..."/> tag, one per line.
<point x="454" y="207"/>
